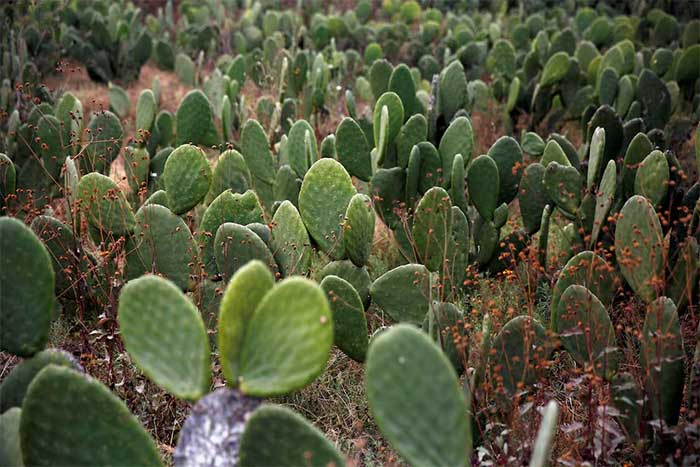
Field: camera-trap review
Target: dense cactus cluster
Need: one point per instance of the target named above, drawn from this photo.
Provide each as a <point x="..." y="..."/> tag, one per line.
<point x="357" y="203"/>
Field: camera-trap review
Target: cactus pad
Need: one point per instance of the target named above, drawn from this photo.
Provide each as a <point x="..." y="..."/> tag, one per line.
<point x="105" y="205"/>
<point x="187" y="177"/>
<point x="290" y="241"/>
<point x="403" y="293"/>
<point x="195" y="120"/>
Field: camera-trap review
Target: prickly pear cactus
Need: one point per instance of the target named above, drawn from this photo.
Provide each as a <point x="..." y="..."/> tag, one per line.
<point x="403" y="293"/>
<point x="591" y="271"/>
<point x="357" y="276"/>
<point x="287" y="340"/>
<point x="301" y="147"/>
<point x="639" y="247"/>
<point x="99" y="422"/>
<point x="14" y="386"/>
<point x="187" y="176"/>
<point x="195" y="120"/>
<point x="227" y="207"/>
<point x="564" y="186"/>
<point x="353" y="149"/>
<point x="161" y="244"/>
<point x="276" y="435"/>
<point x="430" y="401"/>
<point x="662" y="358"/>
<point x="323" y="200"/>
<point x="457" y="139"/>
<point x="358" y="229"/>
<point x="243" y="294"/>
<point x="10" y="444"/>
<point x="104" y="143"/>
<point x="519" y="356"/>
<point x="26" y="289"/>
<point x="585" y="329"/>
<point x="146" y="108"/>
<point x="105" y="205"/>
<point x="483" y="183"/>
<point x="255" y="149"/>
<point x="533" y="197"/>
<point x="158" y="322"/>
<point x="604" y="200"/>
<point x="432" y="226"/>
<point x="509" y="159"/>
<point x="349" y="322"/>
<point x="230" y="173"/>
<point x="652" y="178"/>
<point x="235" y="245"/>
<point x="290" y="241"/>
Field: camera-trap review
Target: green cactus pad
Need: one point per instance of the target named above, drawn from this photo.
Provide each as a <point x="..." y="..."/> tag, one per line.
<point x="457" y="139"/>
<point x="290" y="241"/>
<point x="684" y="275"/>
<point x="555" y="69"/>
<point x="457" y="184"/>
<point x="586" y="331"/>
<point x="358" y="229"/>
<point x="276" y="435"/>
<point x="652" y="178"/>
<point x="483" y="183"/>
<point x="403" y="293"/>
<point x="243" y="294"/>
<point x="414" y="131"/>
<point x="532" y="143"/>
<point x="230" y="173"/>
<point x="302" y="154"/>
<point x="509" y="159"/>
<point x="553" y="153"/>
<point x="430" y="167"/>
<point x="591" y="271"/>
<point x="453" y="90"/>
<point x="195" y="120"/>
<point x="533" y="197"/>
<point x="637" y="150"/>
<point x="105" y="205"/>
<point x="520" y="352"/>
<point x="100" y="423"/>
<point x="136" y="166"/>
<point x="402" y="84"/>
<point x="323" y="200"/>
<point x="353" y="149"/>
<point x="388" y="192"/>
<point x="165" y="336"/>
<point x="564" y="186"/>
<point x="26" y="289"/>
<point x="349" y="322"/>
<point x="227" y="207"/>
<point x="162" y="244"/>
<point x="146" y="108"/>
<point x="432" y="226"/>
<point x="662" y="357"/>
<point x="357" y="276"/>
<point x="396" y="117"/>
<point x="288" y="339"/>
<point x="10" y="446"/>
<point x="639" y="247"/>
<point x="655" y="98"/>
<point x="104" y="143"/>
<point x="430" y="400"/>
<point x="379" y="76"/>
<point x="118" y="100"/>
<point x="255" y="149"/>
<point x="8" y="178"/>
<point x="187" y="176"/>
<point x="14" y="386"/>
<point x="235" y="245"/>
<point x="604" y="199"/>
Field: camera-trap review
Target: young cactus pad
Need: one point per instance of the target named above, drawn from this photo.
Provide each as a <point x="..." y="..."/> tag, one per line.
<point x="429" y="400"/>
<point x="403" y="293"/>
<point x="187" y="178"/>
<point x="290" y="241"/>
<point x="323" y="200"/>
<point x="64" y="409"/>
<point x="349" y="322"/>
<point x="165" y="336"/>
<point x="358" y="229"/>
<point x="26" y="289"/>
<point x="287" y="340"/>
<point x="276" y="435"/>
<point x="105" y="205"/>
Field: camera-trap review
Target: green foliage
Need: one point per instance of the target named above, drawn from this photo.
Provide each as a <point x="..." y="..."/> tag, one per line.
<point x="430" y="400"/>
<point x="290" y="241"/>
<point x="403" y="293"/>
<point x="235" y="245"/>
<point x="432" y="226"/>
<point x="187" y="176"/>
<point x="349" y="322"/>
<point x="358" y="229"/>
<point x="99" y="422"/>
<point x="195" y="120"/>
<point x="165" y="336"/>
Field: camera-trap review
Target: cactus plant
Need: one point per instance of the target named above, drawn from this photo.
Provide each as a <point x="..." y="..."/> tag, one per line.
<point x="652" y="177"/>
<point x="60" y="395"/>
<point x="230" y="172"/>
<point x="26" y="289"/>
<point x="195" y="120"/>
<point x="323" y="200"/>
<point x="430" y="401"/>
<point x="639" y="247"/>
<point x="353" y="149"/>
<point x="358" y="229"/>
<point x="509" y="158"/>
<point x="349" y="322"/>
<point x="187" y="177"/>
<point x="290" y="241"/>
<point x="10" y="445"/>
<point x="357" y="276"/>
<point x="432" y="226"/>
<point x="105" y="141"/>
<point x="275" y="435"/>
<point x="483" y="182"/>
<point x="403" y="293"/>
<point x="235" y="245"/>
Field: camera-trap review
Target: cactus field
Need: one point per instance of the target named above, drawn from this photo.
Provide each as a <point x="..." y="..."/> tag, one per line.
<point x="358" y="233"/>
